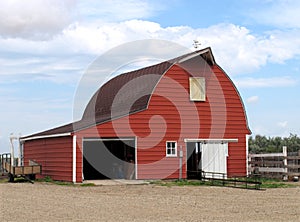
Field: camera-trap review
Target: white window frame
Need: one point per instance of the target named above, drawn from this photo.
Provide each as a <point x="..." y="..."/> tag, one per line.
<point x="197" y="89"/>
<point x="175" y="148"/>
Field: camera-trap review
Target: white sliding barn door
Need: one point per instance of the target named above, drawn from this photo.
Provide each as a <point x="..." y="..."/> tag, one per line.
<point x="214" y="158"/>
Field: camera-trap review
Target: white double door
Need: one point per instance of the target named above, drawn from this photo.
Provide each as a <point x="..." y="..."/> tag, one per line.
<point x="214" y="159"/>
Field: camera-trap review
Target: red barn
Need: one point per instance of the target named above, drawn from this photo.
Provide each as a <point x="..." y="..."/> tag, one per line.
<point x="169" y="120"/>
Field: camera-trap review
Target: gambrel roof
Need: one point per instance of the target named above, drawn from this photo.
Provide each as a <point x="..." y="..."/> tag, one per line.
<point x="99" y="108"/>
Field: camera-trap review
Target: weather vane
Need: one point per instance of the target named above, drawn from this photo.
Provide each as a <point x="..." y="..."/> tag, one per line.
<point x="196" y="44"/>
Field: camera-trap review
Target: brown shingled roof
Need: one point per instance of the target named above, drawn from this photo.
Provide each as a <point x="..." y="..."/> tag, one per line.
<point x="99" y="108"/>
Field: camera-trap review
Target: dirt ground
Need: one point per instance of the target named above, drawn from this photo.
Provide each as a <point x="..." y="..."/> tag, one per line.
<point x="49" y="202"/>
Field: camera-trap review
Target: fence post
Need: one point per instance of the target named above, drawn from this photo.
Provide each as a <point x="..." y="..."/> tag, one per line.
<point x="249" y="165"/>
<point x="285" y="163"/>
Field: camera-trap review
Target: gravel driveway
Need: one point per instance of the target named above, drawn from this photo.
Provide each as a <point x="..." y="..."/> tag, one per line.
<point x="49" y="202"/>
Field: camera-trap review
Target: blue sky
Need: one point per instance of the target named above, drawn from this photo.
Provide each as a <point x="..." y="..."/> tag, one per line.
<point x="46" y="45"/>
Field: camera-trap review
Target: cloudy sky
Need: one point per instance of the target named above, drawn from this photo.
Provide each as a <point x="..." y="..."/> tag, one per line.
<point x="46" y="46"/>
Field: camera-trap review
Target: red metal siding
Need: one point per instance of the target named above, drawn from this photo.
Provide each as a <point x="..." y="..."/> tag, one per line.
<point x="171" y="116"/>
<point x="54" y="154"/>
<point x="78" y="160"/>
<point x="236" y="126"/>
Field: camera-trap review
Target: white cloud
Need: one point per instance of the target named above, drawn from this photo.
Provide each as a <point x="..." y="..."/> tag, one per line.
<point x="236" y="49"/>
<point x="34" y="19"/>
<point x="42" y="19"/>
<point x="118" y="10"/>
<point x="282" y="124"/>
<point x="111" y="23"/>
<point x="252" y="99"/>
<point x="284" y="81"/>
<point x="239" y="51"/>
<point x="281" y="46"/>
<point x="279" y="13"/>
<point x="57" y="69"/>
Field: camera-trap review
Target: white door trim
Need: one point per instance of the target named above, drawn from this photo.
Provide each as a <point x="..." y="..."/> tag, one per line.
<point x="211" y="140"/>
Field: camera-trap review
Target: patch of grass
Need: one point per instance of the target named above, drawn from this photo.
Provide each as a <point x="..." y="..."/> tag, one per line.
<point x="266" y="183"/>
<point x="48" y="179"/>
<point x="270" y="180"/>
<point x="20" y="180"/>
<point x="87" y="185"/>
<point x="184" y="182"/>
<point x="3" y="180"/>
<point x="275" y="183"/>
<point x="62" y="183"/>
<point x="189" y="182"/>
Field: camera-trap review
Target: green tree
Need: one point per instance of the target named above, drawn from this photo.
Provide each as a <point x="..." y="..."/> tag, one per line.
<point x="262" y="144"/>
<point x="292" y="142"/>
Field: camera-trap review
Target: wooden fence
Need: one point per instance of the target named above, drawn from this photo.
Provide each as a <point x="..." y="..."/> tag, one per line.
<point x="275" y="165"/>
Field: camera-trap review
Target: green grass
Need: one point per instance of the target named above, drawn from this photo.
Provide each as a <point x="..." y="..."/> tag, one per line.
<point x="266" y="183"/>
<point x="87" y="185"/>
<point x="276" y="183"/>
<point x="170" y="183"/>
<point x="48" y="179"/>
<point x="4" y="180"/>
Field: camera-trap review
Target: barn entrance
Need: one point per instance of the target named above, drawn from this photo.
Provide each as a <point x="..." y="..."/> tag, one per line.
<point x="210" y="157"/>
<point x="109" y="158"/>
<point x="194" y="165"/>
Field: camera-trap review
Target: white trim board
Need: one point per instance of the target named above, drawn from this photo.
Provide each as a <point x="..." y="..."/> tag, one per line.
<point x="46" y="136"/>
<point x="109" y="139"/>
<point x="211" y="140"/>
<point x="74" y="159"/>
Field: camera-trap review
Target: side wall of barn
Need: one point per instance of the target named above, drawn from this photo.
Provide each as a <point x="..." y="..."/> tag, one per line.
<point x="54" y="154"/>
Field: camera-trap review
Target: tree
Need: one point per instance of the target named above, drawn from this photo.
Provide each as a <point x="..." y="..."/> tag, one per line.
<point x="292" y="142"/>
<point x="262" y="144"/>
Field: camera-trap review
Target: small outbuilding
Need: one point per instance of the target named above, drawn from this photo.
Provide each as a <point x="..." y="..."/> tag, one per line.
<point x="169" y="120"/>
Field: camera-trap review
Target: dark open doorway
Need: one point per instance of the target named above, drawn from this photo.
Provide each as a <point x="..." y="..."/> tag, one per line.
<point x="193" y="160"/>
<point x="108" y="159"/>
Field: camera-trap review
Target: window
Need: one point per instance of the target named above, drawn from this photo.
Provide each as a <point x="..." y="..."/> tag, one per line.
<point x="197" y="88"/>
<point x="171" y="149"/>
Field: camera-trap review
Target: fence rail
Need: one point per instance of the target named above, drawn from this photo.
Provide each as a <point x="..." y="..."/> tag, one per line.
<point x="275" y="165"/>
<point x="252" y="182"/>
<point x="4" y="158"/>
